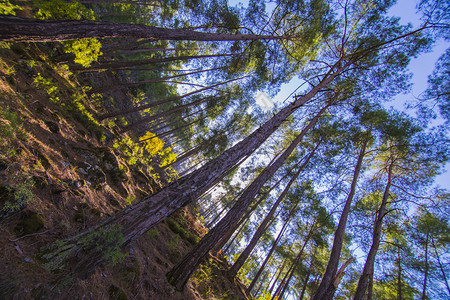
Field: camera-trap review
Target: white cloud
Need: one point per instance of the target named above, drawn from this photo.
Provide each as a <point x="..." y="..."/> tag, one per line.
<point x="264" y="101"/>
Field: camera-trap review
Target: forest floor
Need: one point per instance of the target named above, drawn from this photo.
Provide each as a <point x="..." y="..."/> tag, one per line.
<point x="60" y="174"/>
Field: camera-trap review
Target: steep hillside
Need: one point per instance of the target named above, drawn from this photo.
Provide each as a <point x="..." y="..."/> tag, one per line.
<point x="62" y="172"/>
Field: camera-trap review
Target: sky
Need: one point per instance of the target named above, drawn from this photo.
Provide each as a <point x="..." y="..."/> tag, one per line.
<point x="420" y="67"/>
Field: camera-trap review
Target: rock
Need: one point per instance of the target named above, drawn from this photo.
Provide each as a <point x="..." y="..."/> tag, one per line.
<point x="52" y="126"/>
<point x="30" y="222"/>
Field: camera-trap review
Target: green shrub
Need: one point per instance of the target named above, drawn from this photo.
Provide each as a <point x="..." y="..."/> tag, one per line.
<point x="22" y="196"/>
<point x="48" y="86"/>
<point x="6" y="8"/>
<point x="153" y="233"/>
<point x="184" y="233"/>
<point x="87" y="50"/>
<point x="130" y="199"/>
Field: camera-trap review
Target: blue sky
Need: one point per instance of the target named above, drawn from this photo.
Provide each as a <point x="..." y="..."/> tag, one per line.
<point x="420" y="67"/>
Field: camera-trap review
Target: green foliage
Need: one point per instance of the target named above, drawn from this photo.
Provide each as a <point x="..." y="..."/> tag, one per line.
<point x="130" y="199"/>
<point x="22" y="196"/>
<point x="265" y="295"/>
<point x="60" y="9"/>
<point x="109" y="241"/>
<point x="6" y="8"/>
<point x="173" y="244"/>
<point x="48" y="86"/>
<point x="86" y="50"/>
<point x="148" y="151"/>
<point x="106" y="240"/>
<point x="117" y="293"/>
<point x="153" y="233"/>
<point x="182" y="231"/>
<point x="10" y="126"/>
<point x="30" y="222"/>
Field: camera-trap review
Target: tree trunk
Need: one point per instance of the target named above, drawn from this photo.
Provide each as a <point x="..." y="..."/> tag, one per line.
<point x="272" y="249"/>
<point x="441" y="267"/>
<point x="263" y="226"/>
<point x="136" y="220"/>
<point x="140" y="50"/>
<point x="220" y="244"/>
<point x="287" y="278"/>
<point x="120" y="65"/>
<point x="140" y="2"/>
<point x="180" y="274"/>
<point x="278" y="275"/>
<point x="325" y="290"/>
<point x="399" y="276"/>
<point x="156" y="80"/>
<point x="305" y="283"/>
<point x="156" y="103"/>
<point x="424" y="289"/>
<point x="227" y="248"/>
<point x="370" y="288"/>
<point x="262" y="283"/>
<point x="170" y="111"/>
<point x="17" y="29"/>
<point x="370" y="261"/>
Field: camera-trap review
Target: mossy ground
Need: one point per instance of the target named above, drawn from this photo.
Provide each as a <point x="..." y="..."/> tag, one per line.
<point x="51" y="138"/>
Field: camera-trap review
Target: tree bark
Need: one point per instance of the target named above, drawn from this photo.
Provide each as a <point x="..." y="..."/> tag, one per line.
<point x="399" y="276"/>
<point x="180" y="274"/>
<point x="305" y="283"/>
<point x="370" y="261"/>
<point x="170" y="111"/>
<point x="441" y="267"/>
<point x="424" y="288"/>
<point x="325" y="290"/>
<point x="156" y="80"/>
<point x="136" y="220"/>
<point x="121" y="65"/>
<point x="156" y="103"/>
<point x="287" y="278"/>
<point x="17" y="29"/>
<point x="281" y="268"/>
<point x="263" y="226"/>
<point x="272" y="249"/>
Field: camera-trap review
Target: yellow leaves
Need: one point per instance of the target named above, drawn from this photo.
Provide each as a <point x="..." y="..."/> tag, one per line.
<point x="86" y="51"/>
<point x="151" y="143"/>
<point x="6" y="8"/>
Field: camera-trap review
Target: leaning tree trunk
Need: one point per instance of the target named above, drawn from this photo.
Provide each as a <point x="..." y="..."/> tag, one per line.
<point x="263" y="226"/>
<point x="180" y="274"/>
<point x="121" y="65"/>
<point x="326" y="289"/>
<point x="279" y="271"/>
<point x="156" y="103"/>
<point x="399" y="275"/>
<point x="136" y="220"/>
<point x="424" y="287"/>
<point x="305" y="282"/>
<point x="272" y="249"/>
<point x="170" y="111"/>
<point x="155" y="80"/>
<point x="287" y="277"/>
<point x="370" y="261"/>
<point x="221" y="243"/>
<point x="17" y="29"/>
